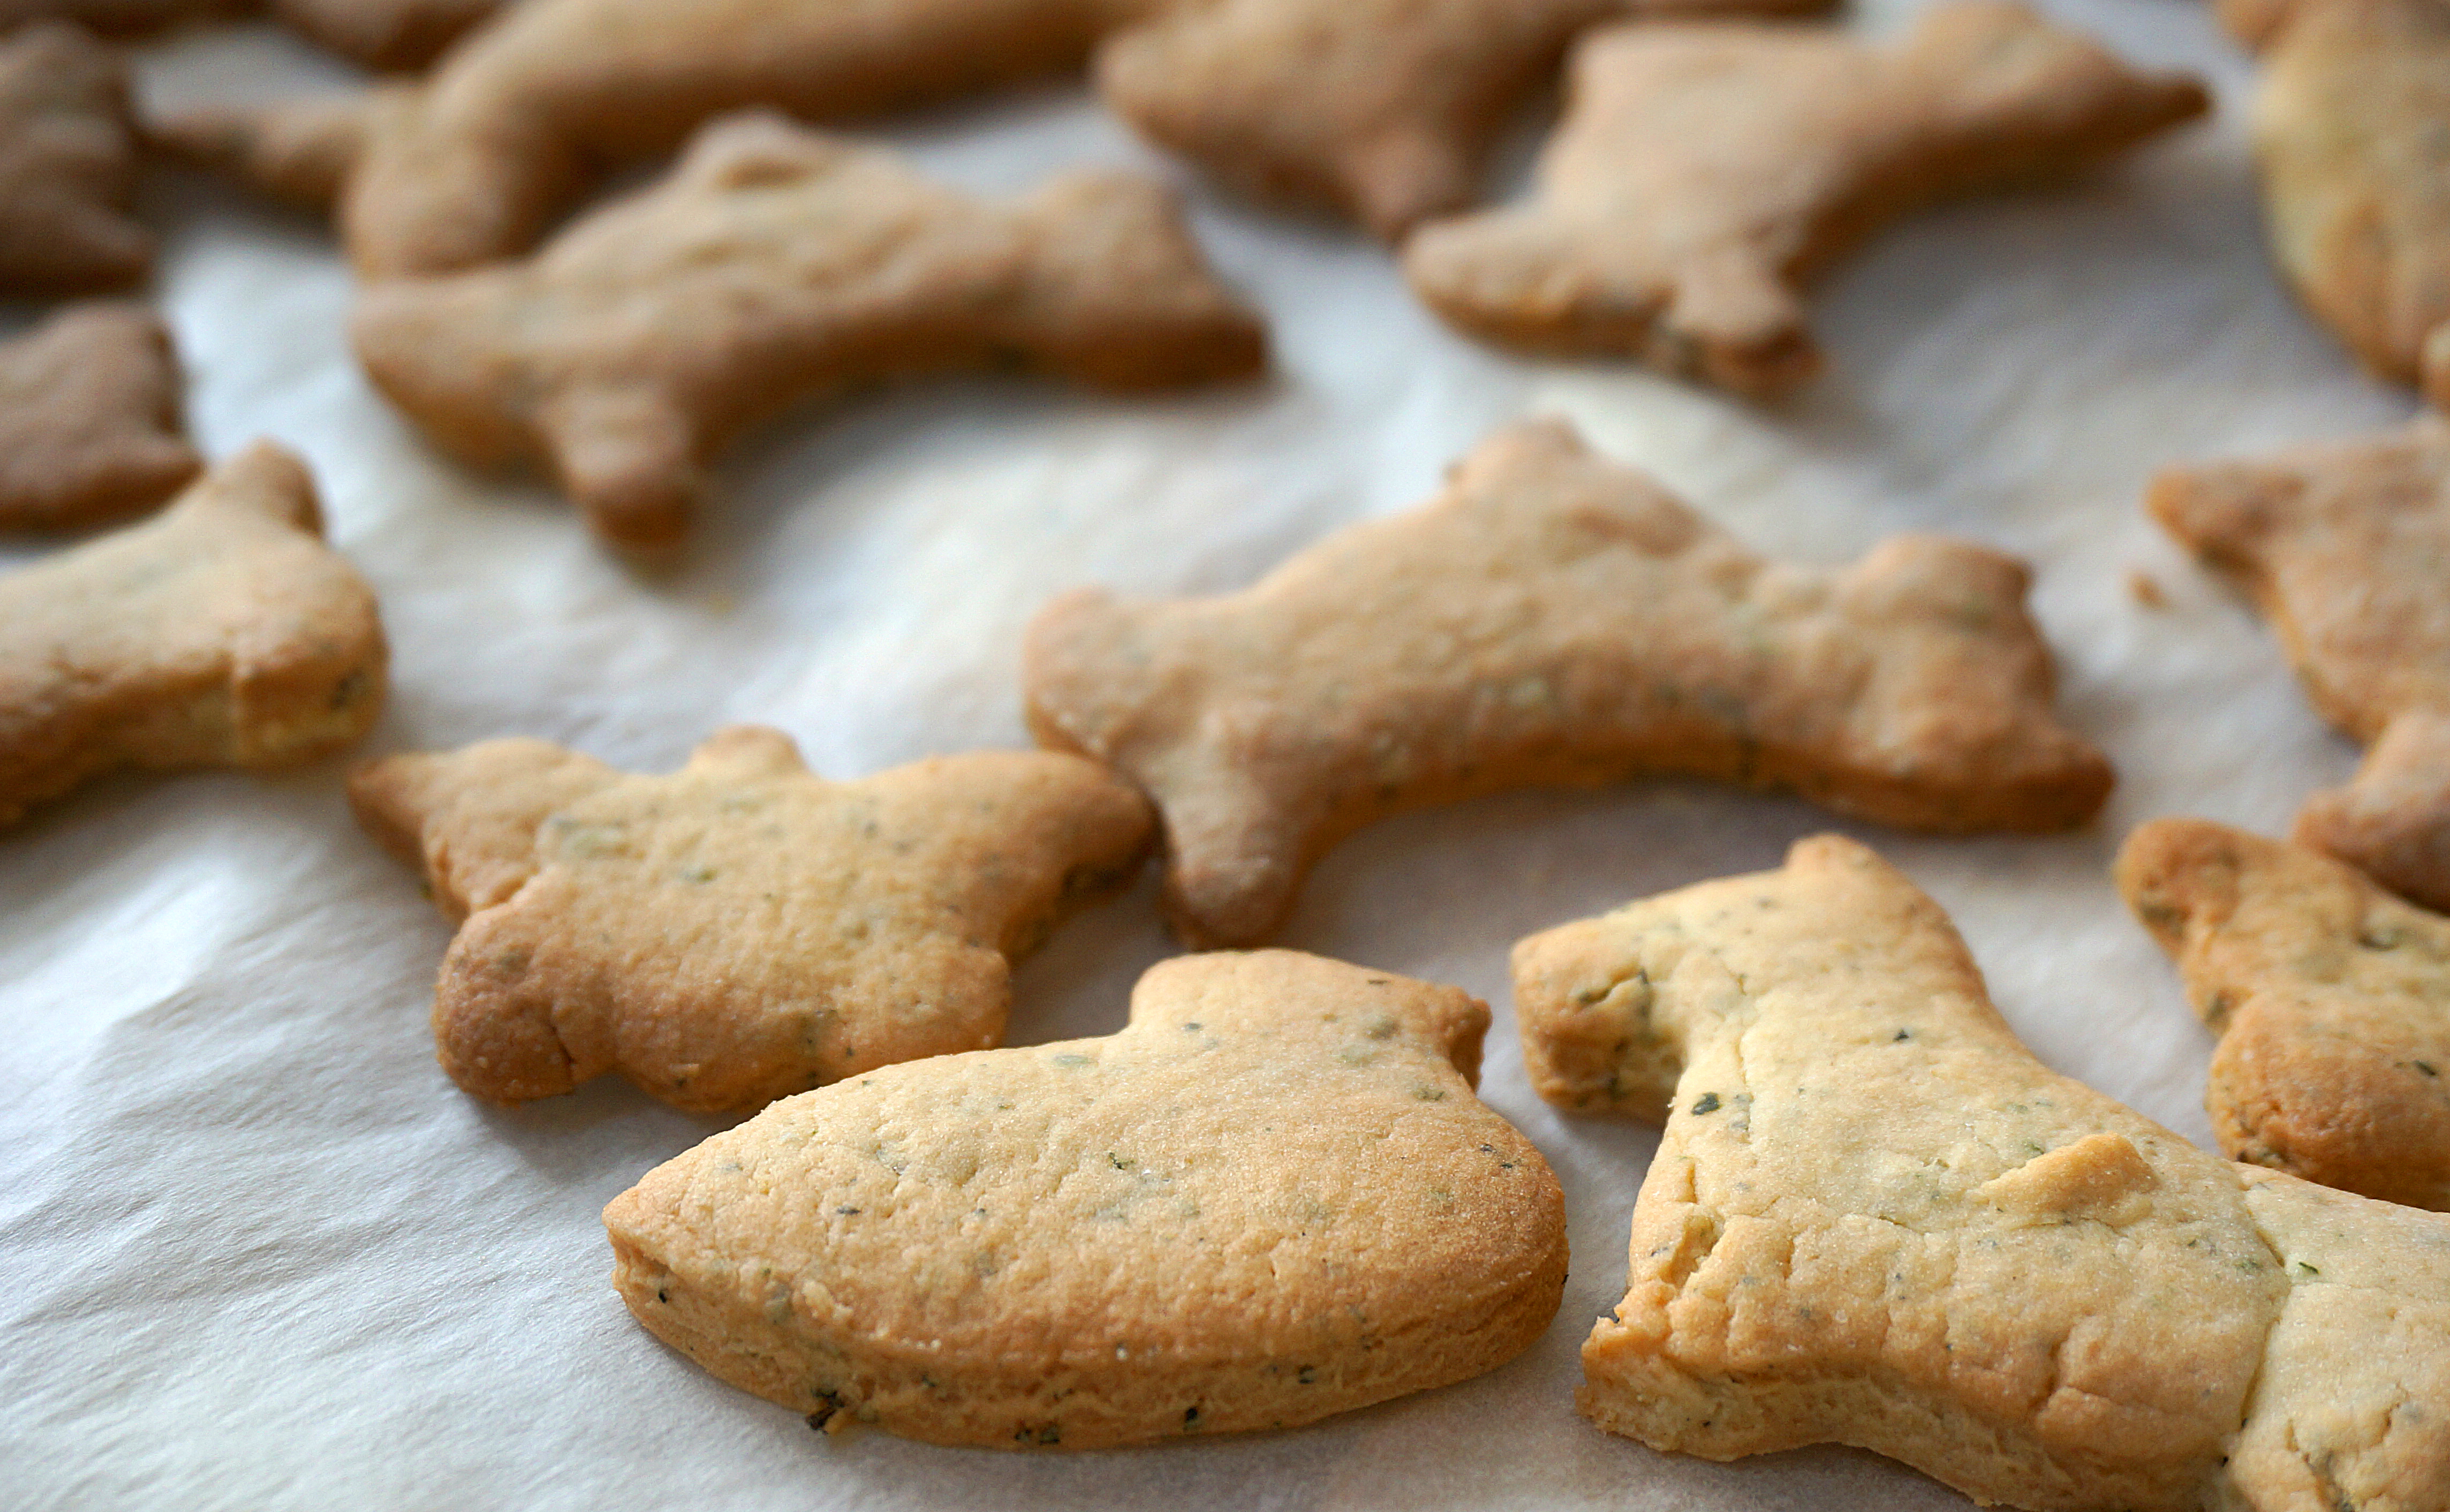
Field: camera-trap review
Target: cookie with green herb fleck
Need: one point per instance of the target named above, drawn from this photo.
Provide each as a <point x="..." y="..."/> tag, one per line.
<point x="1271" y="1197"/>
<point x="221" y="633"/>
<point x="2345" y="548"/>
<point x="1704" y="172"/>
<point x="1552" y="618"/>
<point x="1876" y="1219"/>
<point x="89" y="420"/>
<point x="742" y="929"/>
<point x="2332" y="999"/>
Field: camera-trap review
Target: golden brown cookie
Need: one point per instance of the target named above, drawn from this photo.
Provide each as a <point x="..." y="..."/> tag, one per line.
<point x="742" y="929"/>
<point x="1272" y="1197"/>
<point x="222" y="632"/>
<point x="1380" y="110"/>
<point x="386" y="33"/>
<point x="67" y="166"/>
<point x="120" y="18"/>
<point x="1874" y="1219"/>
<point x="1703" y="173"/>
<point x="2342" y="547"/>
<point x="775" y="266"/>
<point x="89" y="427"/>
<point x="300" y="153"/>
<point x="2332" y="999"/>
<point x="1552" y="618"/>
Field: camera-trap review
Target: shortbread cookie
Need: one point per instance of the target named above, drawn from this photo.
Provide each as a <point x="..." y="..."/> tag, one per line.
<point x="519" y="121"/>
<point x="1382" y="109"/>
<point x="2332" y="999"/>
<point x="67" y="166"/>
<point x="2347" y="122"/>
<point x="1552" y="618"/>
<point x="1703" y="173"/>
<point x="2342" y="546"/>
<point x="776" y="265"/>
<point x="742" y="929"/>
<point x="89" y="427"/>
<point x="222" y="632"/>
<point x="1874" y="1219"/>
<point x="1272" y="1197"/>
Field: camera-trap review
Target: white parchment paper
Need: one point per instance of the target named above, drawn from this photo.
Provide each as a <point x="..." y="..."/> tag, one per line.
<point x="257" y="1252"/>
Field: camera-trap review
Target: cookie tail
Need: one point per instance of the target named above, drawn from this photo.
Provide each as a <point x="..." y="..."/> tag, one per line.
<point x="2393" y="822"/>
<point x="627" y="459"/>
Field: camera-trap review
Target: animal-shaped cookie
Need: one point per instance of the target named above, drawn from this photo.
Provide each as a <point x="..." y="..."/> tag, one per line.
<point x="2342" y="546"/>
<point x="67" y="166"/>
<point x="300" y="153"/>
<point x="742" y="929"/>
<point x="777" y="264"/>
<point x="1552" y="618"/>
<point x="1382" y="109"/>
<point x="1876" y="1219"/>
<point x="1703" y="173"/>
<point x="222" y="632"/>
<point x="379" y="33"/>
<point x="89" y="427"/>
<point x="1271" y="1197"/>
<point x="2332" y="999"/>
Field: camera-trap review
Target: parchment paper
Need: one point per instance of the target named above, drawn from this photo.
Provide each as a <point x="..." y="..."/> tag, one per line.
<point x="257" y="1252"/>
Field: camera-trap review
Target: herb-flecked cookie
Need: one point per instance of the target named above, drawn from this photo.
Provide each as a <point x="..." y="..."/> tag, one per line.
<point x="1271" y="1197"/>
<point x="222" y="632"/>
<point x="1552" y="618"/>
<point x="740" y="929"/>
<point x="2332" y="999"/>
<point x="89" y="419"/>
<point x="1382" y="109"/>
<point x="1704" y="172"/>
<point x="67" y="166"/>
<point x="1876" y="1219"/>
<point x="2342" y="546"/>
<point x="777" y="264"/>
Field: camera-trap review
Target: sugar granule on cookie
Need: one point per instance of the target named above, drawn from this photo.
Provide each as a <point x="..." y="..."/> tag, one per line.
<point x="1704" y="172"/>
<point x="1552" y="618"/>
<point x="222" y="632"/>
<point x="89" y="419"/>
<point x="67" y="166"/>
<point x="1876" y="1219"/>
<point x="2332" y="999"/>
<point x="2342" y="546"/>
<point x="1381" y="109"/>
<point x="1271" y="1197"/>
<point x="740" y="929"/>
<point x="774" y="265"/>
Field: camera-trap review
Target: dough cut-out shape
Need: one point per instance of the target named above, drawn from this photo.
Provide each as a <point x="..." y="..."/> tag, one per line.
<point x="89" y="420"/>
<point x="1704" y="172"/>
<point x="299" y="151"/>
<point x="1876" y="1219"/>
<point x="379" y="33"/>
<point x="2332" y="999"/>
<point x="1272" y="1197"/>
<point x="776" y="265"/>
<point x="1381" y="109"/>
<point x="67" y="166"/>
<point x="742" y="929"/>
<point x="221" y="633"/>
<point x="2343" y="547"/>
<point x="1552" y="618"/>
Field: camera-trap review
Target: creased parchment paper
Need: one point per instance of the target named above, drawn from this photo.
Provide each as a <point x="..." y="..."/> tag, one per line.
<point x="256" y="1251"/>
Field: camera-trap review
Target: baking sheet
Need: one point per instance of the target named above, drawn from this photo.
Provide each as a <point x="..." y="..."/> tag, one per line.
<point x="257" y="1252"/>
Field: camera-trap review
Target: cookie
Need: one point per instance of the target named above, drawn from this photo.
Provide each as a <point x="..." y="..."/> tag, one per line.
<point x="2332" y="999"/>
<point x="222" y="632"/>
<point x="773" y="266"/>
<point x="89" y="427"/>
<point x="2355" y="204"/>
<point x="119" y="18"/>
<point x="300" y="153"/>
<point x="387" y="34"/>
<point x="1876" y="1219"/>
<point x="67" y="166"/>
<point x="1380" y="110"/>
<point x="2338" y="544"/>
<point x="742" y="929"/>
<point x="1552" y="618"/>
<point x="520" y="121"/>
<point x="1703" y="173"/>
<point x="1271" y="1197"/>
